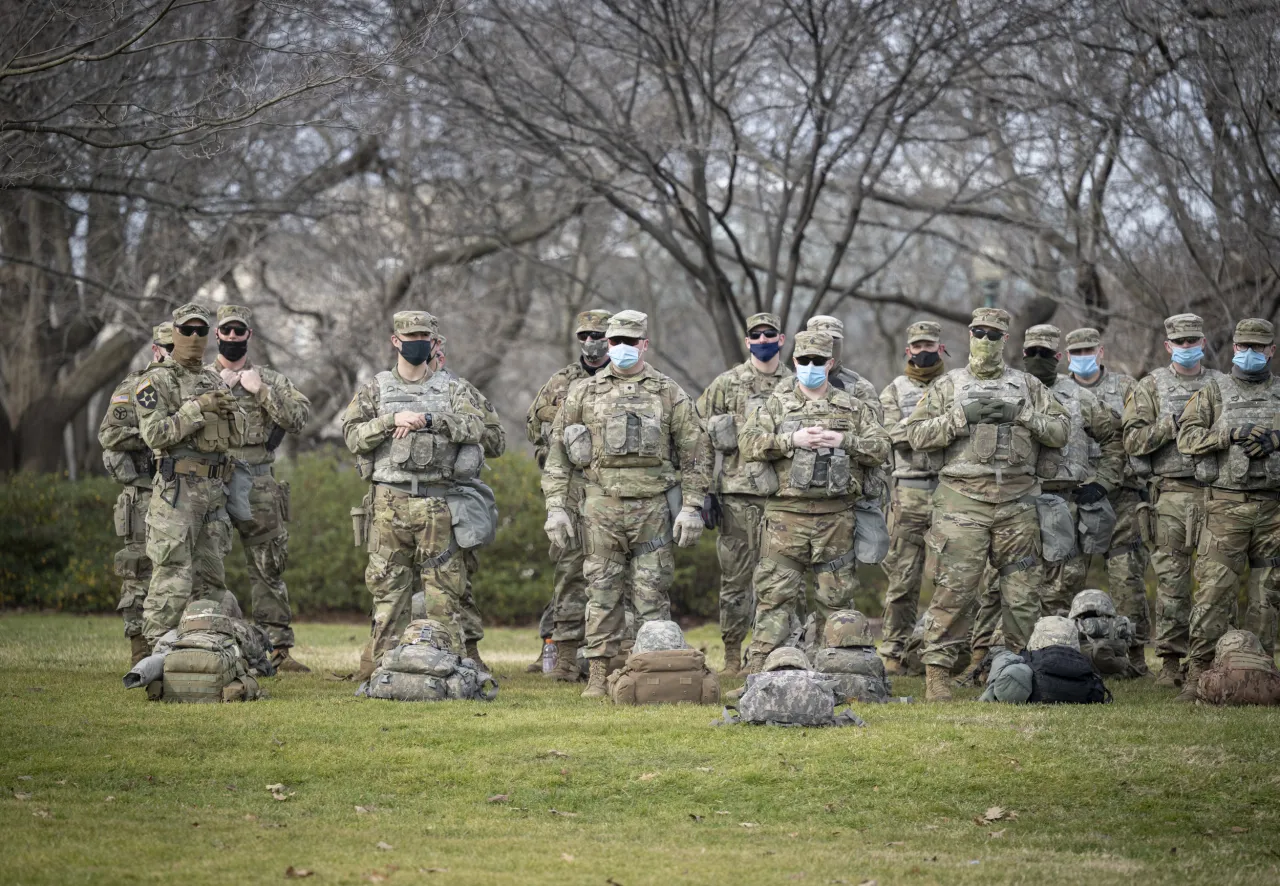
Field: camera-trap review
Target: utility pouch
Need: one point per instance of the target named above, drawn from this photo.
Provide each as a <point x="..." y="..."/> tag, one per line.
<point x="723" y="431"/>
<point x="1057" y="529"/>
<point x="870" y="532"/>
<point x="1206" y="469"/>
<point x="1237" y="464"/>
<point x="839" y="473"/>
<point x="803" y="463"/>
<point x="577" y="445"/>
<point x="761" y="475"/>
<point x="985" y="440"/>
<point x="364" y="466"/>
<point x="120" y="465"/>
<point x="1147" y="520"/>
<point x="1097" y="521"/>
<point x="238" y="493"/>
<point x="167" y="472"/>
<point x="821" y="468"/>
<point x="424" y="450"/>
<point x="360" y="520"/>
<point x="402" y="449"/>
<point x="633" y="432"/>
<point x="122" y="514"/>
<point x="275" y="438"/>
<point x="1140" y="465"/>
<point x="127" y="562"/>
<point x="467" y="464"/>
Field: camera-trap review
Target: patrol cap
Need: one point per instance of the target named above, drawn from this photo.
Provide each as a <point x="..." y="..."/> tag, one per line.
<point x="785" y="657"/>
<point x="997" y="318"/>
<point x="1043" y="335"/>
<point x="832" y="326"/>
<point x="924" y="330"/>
<point x="192" y="311"/>
<point x="414" y="321"/>
<point x="1238" y="641"/>
<point x="1084" y="337"/>
<point x="813" y="344"/>
<point x="628" y="324"/>
<point x="230" y="313"/>
<point x="1054" y="630"/>
<point x="1254" y="331"/>
<point x="593" y="321"/>
<point x="162" y="334"/>
<point x="764" y="319"/>
<point x="1184" y="326"/>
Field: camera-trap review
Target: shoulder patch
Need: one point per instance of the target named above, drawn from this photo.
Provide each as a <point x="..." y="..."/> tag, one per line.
<point x="121" y="398"/>
<point x="146" y="395"/>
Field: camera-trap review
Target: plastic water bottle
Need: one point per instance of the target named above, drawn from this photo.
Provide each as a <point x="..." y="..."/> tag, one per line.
<point x="548" y="655"/>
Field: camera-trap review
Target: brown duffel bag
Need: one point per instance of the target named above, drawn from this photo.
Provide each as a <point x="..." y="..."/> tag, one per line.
<point x="668" y="676"/>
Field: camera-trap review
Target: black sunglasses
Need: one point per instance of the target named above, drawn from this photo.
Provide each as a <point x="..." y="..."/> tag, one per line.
<point x="991" y="334"/>
<point x="811" y="360"/>
<point x="590" y="336"/>
<point x="762" y="333"/>
<point x="1038" y="352"/>
<point x="622" y="340"/>
<point x="189" y="331"/>
<point x="1241" y="346"/>
<point x="235" y="329"/>
<point x="1184" y="342"/>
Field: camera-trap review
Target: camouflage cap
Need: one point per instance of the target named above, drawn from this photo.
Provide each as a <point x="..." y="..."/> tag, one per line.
<point x="848" y="627"/>
<point x="815" y="344"/>
<point x="1238" y="641"/>
<point x="229" y="313"/>
<point x="785" y="657"/>
<point x="764" y="319"/>
<point x="655" y="636"/>
<point x="1184" y="326"/>
<point x="996" y="318"/>
<point x="1084" y="337"/>
<point x="593" y="321"/>
<point x="832" y="326"/>
<point x="162" y="334"/>
<point x="414" y="321"/>
<point x="924" y="330"/>
<point x="1043" y="335"/>
<point x="628" y="324"/>
<point x="1091" y="601"/>
<point x="1054" y="630"/>
<point x="192" y="311"/>
<point x="1254" y="331"/>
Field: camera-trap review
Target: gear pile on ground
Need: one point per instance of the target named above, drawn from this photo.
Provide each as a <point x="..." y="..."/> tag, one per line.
<point x="426" y="667"/>
<point x="1242" y="673"/>
<point x="1105" y="636"/>
<point x="848" y="658"/>
<point x="662" y="669"/>
<point x="787" y="693"/>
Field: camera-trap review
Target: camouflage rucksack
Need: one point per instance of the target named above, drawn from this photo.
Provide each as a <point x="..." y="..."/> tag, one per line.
<point x="664" y="676"/>
<point x="1104" y="636"/>
<point x="424" y="667"/>
<point x="858" y="673"/>
<point x="1242" y="673"/>
<point x="207" y="663"/>
<point x="786" y="693"/>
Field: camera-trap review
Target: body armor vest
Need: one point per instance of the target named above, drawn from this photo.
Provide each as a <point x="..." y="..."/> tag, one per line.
<point x="1112" y="390"/>
<point x="426" y="455"/>
<point x="992" y="450"/>
<point x="750" y="391"/>
<point x="1256" y="405"/>
<point x="252" y="448"/>
<point x="630" y="423"/>
<point x="219" y="433"/>
<point x="1173" y="392"/>
<point x="1075" y="462"/>
<point x="908" y="462"/>
<point x="821" y="473"/>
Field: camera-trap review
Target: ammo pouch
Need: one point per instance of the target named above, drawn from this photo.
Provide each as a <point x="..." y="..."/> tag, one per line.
<point x="364" y="466"/>
<point x="760" y="475"/>
<point x="422" y="449"/>
<point x="723" y="431"/>
<point x="468" y="462"/>
<point x="1057" y="530"/>
<point x="360" y="518"/>
<point x="870" y="532"/>
<point x="122" y="513"/>
<point x="1097" y="523"/>
<point x="121" y="466"/>
<point x="668" y="676"/>
<point x="238" y="493"/>
<point x="473" y="513"/>
<point x="127" y="565"/>
<point x="634" y="434"/>
<point x="821" y="468"/>
<point x="577" y="445"/>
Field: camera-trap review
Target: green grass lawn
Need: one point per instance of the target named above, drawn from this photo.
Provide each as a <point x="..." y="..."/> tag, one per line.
<point x="544" y="787"/>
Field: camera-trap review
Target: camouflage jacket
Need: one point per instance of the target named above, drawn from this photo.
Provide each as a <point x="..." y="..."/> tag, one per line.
<point x="277" y="404"/>
<point x="124" y="453"/>
<point x="1114" y="389"/>
<point x="645" y="438"/>
<point x="899" y="400"/>
<point x="1094" y="450"/>
<point x="845" y="379"/>
<point x="169" y="419"/>
<point x="1151" y="417"/>
<point x="1225" y="403"/>
<point x="542" y="412"/>
<point x="365" y="425"/>
<point x="733" y="395"/>
<point x="494" y="439"/>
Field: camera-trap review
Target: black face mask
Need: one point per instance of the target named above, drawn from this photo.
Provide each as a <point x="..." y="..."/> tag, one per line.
<point x="233" y="350"/>
<point x="925" y="359"/>
<point x="1043" y="368"/>
<point x="416" y="352"/>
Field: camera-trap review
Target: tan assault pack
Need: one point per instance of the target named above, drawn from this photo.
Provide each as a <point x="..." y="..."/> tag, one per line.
<point x="668" y="676"/>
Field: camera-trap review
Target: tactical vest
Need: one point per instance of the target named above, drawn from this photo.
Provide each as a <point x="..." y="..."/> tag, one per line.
<point x="1256" y="404"/>
<point x="991" y="450"/>
<point x="857" y="671"/>
<point x="821" y="473"/>
<point x="420" y="672"/>
<point x="219" y="433"/>
<point x="427" y="455"/>
<point x="1075" y="462"/>
<point x="749" y="391"/>
<point x="1173" y="392"/>
<point x="668" y="676"/>
<point x="258" y="424"/>
<point x="1112" y="390"/>
<point x="630" y="422"/>
<point x="909" y="463"/>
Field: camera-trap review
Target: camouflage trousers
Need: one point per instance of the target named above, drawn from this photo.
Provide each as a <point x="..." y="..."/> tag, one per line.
<point x="1179" y="522"/>
<point x="567" y="615"/>
<point x="612" y="529"/>
<point x="910" y="513"/>
<point x="795" y="543"/>
<point x="1240" y="530"/>
<point x="469" y="620"/>
<point x="265" y="539"/>
<point x="965" y="534"/>
<point x="1127" y="564"/>
<point x="988" y="629"/>
<point x="738" y="550"/>
<point x="188" y="537"/>
<point x="131" y="563"/>
<point x="411" y="547"/>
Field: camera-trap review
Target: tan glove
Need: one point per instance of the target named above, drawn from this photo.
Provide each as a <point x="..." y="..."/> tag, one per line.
<point x="217" y="402"/>
<point x="688" y="527"/>
<point x="559" y="528"/>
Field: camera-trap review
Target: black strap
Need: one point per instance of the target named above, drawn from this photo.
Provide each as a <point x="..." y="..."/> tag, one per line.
<point x="838" y="563"/>
<point x="650" y="546"/>
<point x="442" y="558"/>
<point x="1018" y="565"/>
<point x="1264" y="562"/>
<point x="1130" y="548"/>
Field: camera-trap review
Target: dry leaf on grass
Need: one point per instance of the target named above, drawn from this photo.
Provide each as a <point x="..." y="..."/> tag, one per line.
<point x="565" y="814"/>
<point x="21" y="795"/>
<point x="1239" y="830"/>
<point x="292" y="873"/>
<point x="869" y="883"/>
<point x="384" y="846"/>
<point x="278" y="792"/>
<point x="996" y="835"/>
<point x="648" y="776"/>
<point x="42" y="813"/>
<point x="748" y="824"/>
<point x="561" y="754"/>
<point x="993" y="813"/>
<point x="564" y="856"/>
<point x="26" y="777"/>
<point x="362" y="810"/>
<point x="109" y="799"/>
<point x="705" y="769"/>
<point x="249" y="816"/>
<point x="695" y="816"/>
<point x="498" y="798"/>
<point x="896" y="843"/>
<point x="722" y="812"/>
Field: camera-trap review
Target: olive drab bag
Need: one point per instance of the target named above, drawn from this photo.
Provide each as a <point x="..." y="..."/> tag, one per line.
<point x="857" y="672"/>
<point x="665" y="676"/>
<point x="207" y="663"/>
<point x="1057" y="529"/>
<point x="425" y="668"/>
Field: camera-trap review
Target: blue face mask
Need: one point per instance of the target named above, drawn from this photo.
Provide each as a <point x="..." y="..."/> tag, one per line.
<point x="1250" y="360"/>
<point x="1188" y="357"/>
<point x="765" y="351"/>
<point x="624" y="356"/>
<point x="811" y="376"/>
<point x="1086" y="365"/>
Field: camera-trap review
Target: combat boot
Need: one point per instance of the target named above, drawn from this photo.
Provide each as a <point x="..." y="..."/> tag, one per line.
<point x="893" y="667"/>
<point x="937" y="683"/>
<point x="755" y="662"/>
<point x="139" y="648"/>
<point x="473" y="653"/>
<point x="566" y="669"/>
<point x="732" y="659"/>
<point x="283" y="661"/>
<point x="1138" y="661"/>
<point x="969" y="676"/>
<point x="1189" y="682"/>
<point x="535" y="667"/>
<point x="596" y="686"/>
<point x="1170" y="675"/>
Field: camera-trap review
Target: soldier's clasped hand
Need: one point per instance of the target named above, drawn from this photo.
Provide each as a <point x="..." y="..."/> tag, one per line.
<point x="813" y="438"/>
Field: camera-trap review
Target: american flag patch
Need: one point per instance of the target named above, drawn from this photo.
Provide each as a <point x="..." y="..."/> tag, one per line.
<point x="120" y="398"/>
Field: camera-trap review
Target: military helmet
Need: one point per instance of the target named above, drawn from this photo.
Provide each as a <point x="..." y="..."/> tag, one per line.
<point x="1054" y="630"/>
<point x="656" y="636"/>
<point x="162" y="334"/>
<point x="1238" y="641"/>
<point x="785" y="657"/>
<point x="429" y="632"/>
<point x="1091" y="602"/>
<point x="848" y="627"/>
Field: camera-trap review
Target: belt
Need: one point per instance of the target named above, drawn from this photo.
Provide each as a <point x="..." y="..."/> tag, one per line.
<point x="216" y="468"/>
<point x="1244" y="495"/>
<point x="927" y="483"/>
<point x="413" y="490"/>
<point x="1174" y="484"/>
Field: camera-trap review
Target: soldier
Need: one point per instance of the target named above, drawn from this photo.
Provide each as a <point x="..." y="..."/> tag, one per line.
<point x="723" y="408"/>
<point x="820" y="442"/>
<point x="257" y="504"/>
<point x="1152" y="416"/>
<point x="1084" y="471"/>
<point x="1127" y="556"/>
<point x="565" y="620"/>
<point x="916" y="477"/>
<point x="129" y="461"/>
<point x="636" y="436"/>
<point x="990" y="421"/>
<point x="188" y="417"/>
<point x="416" y="434"/>
<point x="842" y="377"/>
<point x="1236" y="418"/>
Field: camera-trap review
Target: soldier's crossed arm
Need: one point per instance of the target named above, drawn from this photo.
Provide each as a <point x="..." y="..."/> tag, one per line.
<point x="893" y="422"/>
<point x="759" y="439"/>
<point x="868" y="443"/>
<point x="464" y="423"/>
<point x="163" y="419"/>
<point x="1102" y="426"/>
<point x="1145" y="430"/>
<point x="937" y="419"/>
<point x="1048" y="421"/>
<point x="285" y="404"/>
<point x="362" y="428"/>
<point x="1200" y="433"/>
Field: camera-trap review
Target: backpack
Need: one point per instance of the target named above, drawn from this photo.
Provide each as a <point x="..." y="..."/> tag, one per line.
<point x="207" y="667"/>
<point x="665" y="676"/>
<point x="789" y="698"/>
<point x="1105" y="642"/>
<point x="1063" y="675"/>
<point x="1240" y="677"/>
<point x="420" y="672"/>
<point x="858" y="673"/>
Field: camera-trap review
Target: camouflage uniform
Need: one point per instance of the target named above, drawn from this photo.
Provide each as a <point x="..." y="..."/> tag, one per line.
<point x="723" y="408"/>
<point x="1242" y="513"/>
<point x="1151" y="417"/>
<point x="984" y="506"/>
<point x="410" y="529"/>
<point x="188" y="531"/>
<point x="635" y="437"/>
<point x="278" y="408"/>
<point x="809" y="523"/>
<point x="129" y="461"/>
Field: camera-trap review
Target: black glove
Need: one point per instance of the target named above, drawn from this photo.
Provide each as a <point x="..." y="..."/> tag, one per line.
<point x="1000" y="412"/>
<point x="712" y="514"/>
<point x="1241" y="434"/>
<point x="1261" y="442"/>
<point x="973" y="410"/>
<point x="1088" y="493"/>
